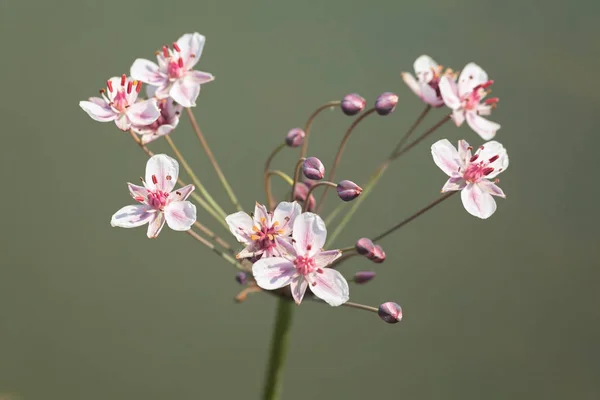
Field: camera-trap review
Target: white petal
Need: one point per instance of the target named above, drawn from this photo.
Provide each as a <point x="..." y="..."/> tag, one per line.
<point x="132" y="216"/>
<point x="285" y="247"/>
<point x="181" y="194"/>
<point x="273" y="272"/>
<point x="249" y="251"/>
<point x="298" y="287"/>
<point x="430" y="96"/>
<point x="492" y="149"/>
<point x="162" y="92"/>
<point x="491" y="188"/>
<point x="285" y="214"/>
<point x="116" y="85"/>
<point x="454" y="184"/>
<point x="200" y="77"/>
<point x="449" y="92"/>
<point x="164" y="170"/>
<point x="309" y="234"/>
<point x="191" y="45"/>
<point x="472" y="75"/>
<point x="330" y="286"/>
<point x="147" y="72"/>
<point x="477" y="202"/>
<point x="185" y="91"/>
<point x="446" y="157"/>
<point x="180" y="215"/>
<point x="138" y="192"/>
<point x="484" y="128"/>
<point x="464" y="153"/>
<point x="156" y="225"/>
<point x="324" y="258"/>
<point x="144" y="112"/>
<point x="412" y="83"/>
<point x="458" y="116"/>
<point x="240" y="224"/>
<point x="122" y="122"/>
<point x="261" y="216"/>
<point x="98" y="109"/>
<point x="425" y="68"/>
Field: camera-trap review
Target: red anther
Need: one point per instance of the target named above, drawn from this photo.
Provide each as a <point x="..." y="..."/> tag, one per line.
<point x="129" y="87"/>
<point x="138" y="86"/>
<point x="154" y="180"/>
<point x="314" y="283"/>
<point x="176" y="46"/>
<point x="165" y="52"/>
<point x="139" y="198"/>
<point x="487" y="84"/>
<point x="308" y="247"/>
<point x="180" y="62"/>
<point x="320" y="270"/>
<point x="487" y="171"/>
<point x="102" y="91"/>
<point x="496" y="180"/>
<point x="109" y="85"/>
<point x="492" y="100"/>
<point x="475" y="157"/>
<point x="494" y="158"/>
<point x="168" y="177"/>
<point x="123" y="79"/>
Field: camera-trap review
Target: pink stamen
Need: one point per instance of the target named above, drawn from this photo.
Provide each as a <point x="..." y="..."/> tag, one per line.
<point x="139" y="198"/>
<point x="494" y="158"/>
<point x="176" y="47"/>
<point x="165" y="51"/>
<point x="492" y="100"/>
<point x="487" y="171"/>
<point x="109" y="85"/>
<point x="129" y="87"/>
<point x="123" y="79"/>
<point x="138" y="86"/>
<point x="180" y="62"/>
<point x="154" y="180"/>
<point x="475" y="157"/>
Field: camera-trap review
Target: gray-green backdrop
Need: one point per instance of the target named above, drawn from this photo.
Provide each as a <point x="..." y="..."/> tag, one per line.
<point x="496" y="309"/>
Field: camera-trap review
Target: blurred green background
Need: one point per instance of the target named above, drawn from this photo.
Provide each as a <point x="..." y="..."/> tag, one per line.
<point x="496" y="309"/>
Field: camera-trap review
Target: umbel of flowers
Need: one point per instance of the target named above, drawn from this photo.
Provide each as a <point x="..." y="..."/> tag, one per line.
<point x="284" y="247"/>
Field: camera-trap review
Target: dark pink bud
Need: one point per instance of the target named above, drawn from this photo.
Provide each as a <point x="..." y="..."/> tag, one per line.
<point x="390" y="312"/>
<point x="300" y="193"/>
<point x="386" y="103"/>
<point x="313" y="168"/>
<point x="365" y="247"/>
<point x="378" y="254"/>
<point x="241" y="278"/>
<point x="295" y="137"/>
<point x="348" y="190"/>
<point x="363" y="276"/>
<point x="353" y="103"/>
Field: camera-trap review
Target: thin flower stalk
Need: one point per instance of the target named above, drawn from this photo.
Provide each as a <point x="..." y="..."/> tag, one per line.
<point x="310" y="120"/>
<point x="312" y="189"/>
<point x="297" y="170"/>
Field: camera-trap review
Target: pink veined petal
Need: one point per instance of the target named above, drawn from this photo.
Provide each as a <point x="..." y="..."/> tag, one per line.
<point x="122" y="122"/>
<point x="286" y="248"/>
<point x="147" y="72"/>
<point x="116" y="85"/>
<point x="464" y="153"/>
<point x="491" y="188"/>
<point x="454" y="184"/>
<point x="185" y="91"/>
<point x="261" y="215"/>
<point x="156" y="225"/>
<point x="424" y="68"/>
<point x="162" y="92"/>
<point x="132" y="216"/>
<point x="309" y="234"/>
<point x="144" y="112"/>
<point x="164" y="170"/>
<point x="446" y="157"/>
<point x="273" y="272"/>
<point x="249" y="251"/>
<point x="298" y="287"/>
<point x="429" y="95"/>
<point x="324" y="258"/>
<point x="200" y="77"/>
<point x="240" y="224"/>
<point x="484" y="128"/>
<point x="449" y="93"/>
<point x="330" y="286"/>
<point x="165" y="129"/>
<point x="285" y="214"/>
<point x="492" y="149"/>
<point x="471" y="76"/>
<point x="98" y="109"/>
<point x="191" y="45"/>
<point x="477" y="202"/>
<point x="181" y="194"/>
<point x="458" y="116"/>
<point x="412" y="83"/>
<point x="138" y="193"/>
<point x="180" y="215"/>
<point x="149" y="137"/>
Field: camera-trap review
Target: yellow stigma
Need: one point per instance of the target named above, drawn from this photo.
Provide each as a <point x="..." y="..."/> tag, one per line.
<point x="254" y="237"/>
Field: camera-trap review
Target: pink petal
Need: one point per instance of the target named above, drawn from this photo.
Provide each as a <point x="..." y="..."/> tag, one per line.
<point x="132" y="216"/>
<point x="122" y="122"/>
<point x="484" y="128"/>
<point x="138" y="192"/>
<point x="324" y="258"/>
<point x="180" y="215"/>
<point x="449" y="92"/>
<point x="493" y="149"/>
<point x="240" y="224"/>
<point x="430" y="96"/>
<point x="454" y="184"/>
<point x="412" y="83"/>
<point x="191" y="45"/>
<point x="472" y="75"/>
<point x="185" y="91"/>
<point x="285" y="214"/>
<point x="309" y="234"/>
<point x="162" y="169"/>
<point x="477" y="202"/>
<point x="491" y="188"/>
<point x="181" y="194"/>
<point x="298" y="287"/>
<point x="458" y="116"/>
<point x="464" y="152"/>
<point x="330" y="286"/>
<point x="200" y="77"/>
<point x="156" y="225"/>
<point x="424" y="68"/>
<point x="144" y="112"/>
<point x="446" y="157"/>
<point x="147" y="72"/>
<point x="116" y="85"/>
<point x="98" y="109"/>
<point x="273" y="272"/>
<point x="162" y="92"/>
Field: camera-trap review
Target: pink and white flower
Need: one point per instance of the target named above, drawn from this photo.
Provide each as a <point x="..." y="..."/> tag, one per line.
<point x="426" y="86"/>
<point x="302" y="264"/>
<point x="259" y="234"/>
<point x="157" y="200"/>
<point x="164" y="125"/>
<point x="118" y="104"/>
<point x="472" y="175"/>
<point x="465" y="100"/>
<point x="174" y="75"/>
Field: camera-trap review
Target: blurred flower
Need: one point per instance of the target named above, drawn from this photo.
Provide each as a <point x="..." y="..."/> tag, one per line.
<point x="390" y="312"/>
<point x="301" y="191"/>
<point x="118" y="104"/>
<point x="166" y="122"/>
<point x="386" y="103"/>
<point x="352" y="104"/>
<point x="157" y="201"/>
<point x="362" y="277"/>
<point x="465" y="99"/>
<point x="295" y="137"/>
<point x="426" y="86"/>
<point x="472" y="174"/>
<point x="259" y="234"/>
<point x="241" y="278"/>
<point x="302" y="264"/>
<point x="313" y="168"/>
<point x="174" y="75"/>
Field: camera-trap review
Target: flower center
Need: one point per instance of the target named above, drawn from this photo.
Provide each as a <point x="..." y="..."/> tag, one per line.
<point x="478" y="170"/>
<point x="265" y="235"/>
<point x="472" y="100"/>
<point x="120" y="95"/>
<point x="174" y="61"/>
<point x="163" y="118"/>
<point x="305" y="265"/>
<point x="158" y="199"/>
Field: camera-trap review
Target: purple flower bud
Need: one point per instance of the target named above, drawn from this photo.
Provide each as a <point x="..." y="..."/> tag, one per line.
<point x="300" y="192"/>
<point x="378" y="254"/>
<point x="363" y="276"/>
<point x="353" y="103"/>
<point x="241" y="278"/>
<point x="365" y="247"/>
<point x="295" y="137"/>
<point x="390" y="312"/>
<point x="348" y="190"/>
<point x="386" y="103"/>
<point x="313" y="168"/>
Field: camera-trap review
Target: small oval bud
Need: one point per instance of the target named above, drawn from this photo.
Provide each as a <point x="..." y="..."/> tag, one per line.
<point x="241" y="278"/>
<point x="378" y="254"/>
<point x="352" y="104"/>
<point x="386" y="103"/>
<point x="348" y="190"/>
<point x="365" y="247"/>
<point x="313" y="168"/>
<point x="295" y="137"/>
<point x="390" y="312"/>
<point x="300" y="192"/>
<point x="363" y="277"/>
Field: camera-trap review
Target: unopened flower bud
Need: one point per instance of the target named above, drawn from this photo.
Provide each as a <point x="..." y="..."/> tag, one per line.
<point x="241" y="278"/>
<point x="365" y="247"/>
<point x="390" y="312"/>
<point x="313" y="168"/>
<point x="295" y="137"/>
<point x="386" y="103"/>
<point x="378" y="254"/>
<point x="300" y="193"/>
<point x="352" y="104"/>
<point x="363" y="276"/>
<point x="348" y="190"/>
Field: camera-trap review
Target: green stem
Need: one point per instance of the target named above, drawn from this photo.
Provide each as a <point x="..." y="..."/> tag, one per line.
<point x="308" y="125"/>
<point x="279" y="347"/>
